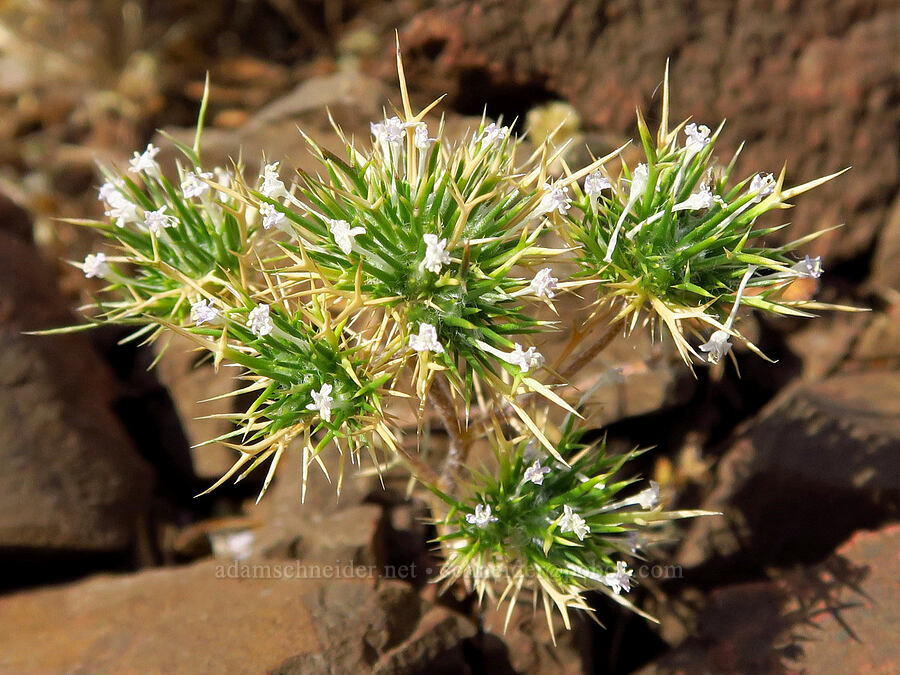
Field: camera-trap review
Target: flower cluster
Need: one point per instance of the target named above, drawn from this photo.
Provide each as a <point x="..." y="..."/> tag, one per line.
<point x="674" y="237"/>
<point x="413" y="268"/>
<point x="559" y="521"/>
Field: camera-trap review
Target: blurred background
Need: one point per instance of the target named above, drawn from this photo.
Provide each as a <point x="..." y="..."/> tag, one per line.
<point x="112" y="565"/>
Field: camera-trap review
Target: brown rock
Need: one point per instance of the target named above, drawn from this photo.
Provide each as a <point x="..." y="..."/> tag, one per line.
<point x="14" y="219"/>
<point x="191" y="386"/>
<point x="838" y="617"/>
<point x="771" y="73"/>
<point x="818" y="462"/>
<point x="323" y="527"/>
<point x="435" y="647"/>
<point x="885" y="270"/>
<point x="71" y="478"/>
<point x="209" y="618"/>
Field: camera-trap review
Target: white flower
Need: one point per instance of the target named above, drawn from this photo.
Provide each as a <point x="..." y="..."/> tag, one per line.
<point x="704" y="199"/>
<point x="543" y="283"/>
<point x="343" y="234"/>
<point x="529" y="359"/>
<point x="223" y="176"/>
<point x="95" y="265"/>
<point x="595" y="183"/>
<point x="270" y="185"/>
<point x="717" y="347"/>
<point x="270" y="216"/>
<point x="436" y="255"/>
<point x="203" y="312"/>
<point x="144" y="162"/>
<point x="493" y="135"/>
<point x="110" y="192"/>
<point x="557" y="199"/>
<point x="526" y="360"/>
<point x="420" y="136"/>
<point x="192" y="185"/>
<point x="123" y="211"/>
<point x="649" y="497"/>
<point x="157" y="221"/>
<point x="633" y="541"/>
<point x="535" y="473"/>
<point x="259" y="322"/>
<point x="697" y="137"/>
<point x="763" y="185"/>
<point x="426" y="340"/>
<point x="389" y="131"/>
<point x="636" y="189"/>
<point x="572" y="522"/>
<point x="322" y="402"/>
<point x="234" y="545"/>
<point x="638" y="182"/>
<point x="620" y="580"/>
<point x="482" y="516"/>
<point x="808" y="268"/>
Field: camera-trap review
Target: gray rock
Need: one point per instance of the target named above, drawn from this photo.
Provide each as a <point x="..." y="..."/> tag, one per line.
<point x="71" y="478"/>
<point x="819" y="462"/>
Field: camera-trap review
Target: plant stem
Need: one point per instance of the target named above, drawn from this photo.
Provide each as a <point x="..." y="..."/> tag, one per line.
<point x="591" y="351"/>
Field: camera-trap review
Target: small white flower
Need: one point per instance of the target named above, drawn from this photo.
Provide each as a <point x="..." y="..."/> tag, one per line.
<point x="144" y="162"/>
<point x="259" y="322"/>
<point x="526" y="360"/>
<point x="436" y="255"/>
<point x="535" y="473"/>
<point x="192" y="185"/>
<point x="95" y="265"/>
<point x="322" y="402"/>
<point x="420" y="136"/>
<point x="157" y="221"/>
<point x="203" y="312"/>
<point x="762" y="185"/>
<point x="717" y="347"/>
<point x="426" y="340"/>
<point x="697" y="137"/>
<point x="633" y="541"/>
<point x="595" y="183"/>
<point x="543" y="283"/>
<point x="557" y="199"/>
<point x="493" y="135"/>
<point x="271" y="216"/>
<point x="223" y="176"/>
<point x="123" y="212"/>
<point x="703" y="199"/>
<point x="390" y="131"/>
<point x="270" y="185"/>
<point x="572" y="522"/>
<point x="638" y="182"/>
<point x="529" y="359"/>
<point x="620" y="580"/>
<point x="111" y="193"/>
<point x="233" y="545"/>
<point x="343" y="234"/>
<point x="649" y="498"/>
<point x="482" y="516"/>
<point x="808" y="268"/>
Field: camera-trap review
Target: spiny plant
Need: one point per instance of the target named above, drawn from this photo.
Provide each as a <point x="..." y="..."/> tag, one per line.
<point x="418" y="268"/>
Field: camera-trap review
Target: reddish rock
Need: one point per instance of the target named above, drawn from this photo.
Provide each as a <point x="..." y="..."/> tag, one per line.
<point x="817" y="463"/>
<point x="220" y="618"/>
<point x="810" y="84"/>
<point x="840" y="616"/>
<point x="72" y="479"/>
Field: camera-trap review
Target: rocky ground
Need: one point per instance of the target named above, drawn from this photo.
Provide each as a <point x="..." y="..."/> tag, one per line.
<point x="112" y="565"/>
